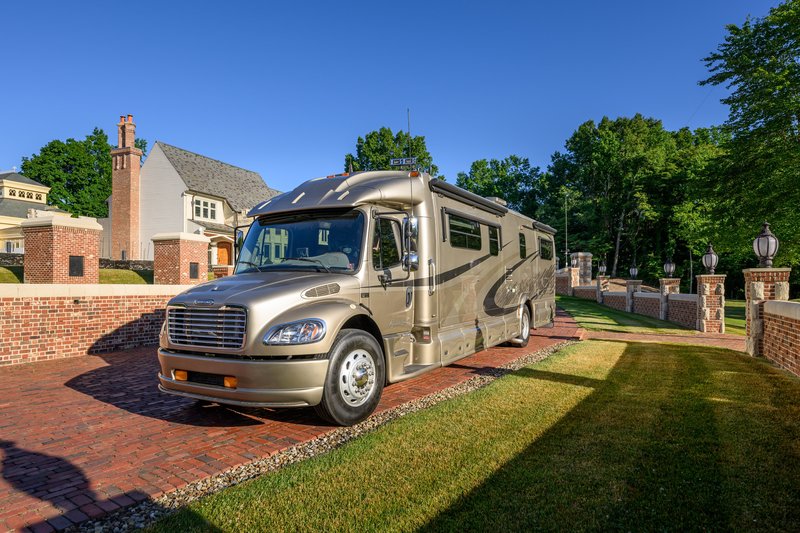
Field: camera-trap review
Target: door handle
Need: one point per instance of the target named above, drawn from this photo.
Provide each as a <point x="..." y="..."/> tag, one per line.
<point x="431" y="277"/>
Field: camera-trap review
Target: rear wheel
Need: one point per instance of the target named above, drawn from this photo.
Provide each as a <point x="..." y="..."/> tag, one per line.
<point x="524" y="328"/>
<point x="354" y="383"/>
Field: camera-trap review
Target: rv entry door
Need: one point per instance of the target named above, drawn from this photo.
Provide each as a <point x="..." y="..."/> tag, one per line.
<point x="390" y="285"/>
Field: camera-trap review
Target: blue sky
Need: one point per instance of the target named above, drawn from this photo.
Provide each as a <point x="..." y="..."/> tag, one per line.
<point x="285" y="88"/>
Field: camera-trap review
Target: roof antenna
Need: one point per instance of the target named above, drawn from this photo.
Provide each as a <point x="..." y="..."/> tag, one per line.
<point x="408" y="142"/>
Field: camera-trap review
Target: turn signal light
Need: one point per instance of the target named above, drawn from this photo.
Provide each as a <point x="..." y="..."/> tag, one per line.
<point x="230" y="382"/>
<point x="180" y="375"/>
<point x="414" y="174"/>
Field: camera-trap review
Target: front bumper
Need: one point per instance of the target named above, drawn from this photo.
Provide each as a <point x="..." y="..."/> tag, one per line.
<point x="260" y="383"/>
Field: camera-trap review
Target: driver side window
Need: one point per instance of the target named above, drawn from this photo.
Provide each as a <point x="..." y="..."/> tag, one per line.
<point x="386" y="244"/>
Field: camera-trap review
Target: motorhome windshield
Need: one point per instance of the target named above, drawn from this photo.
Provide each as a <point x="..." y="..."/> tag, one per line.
<point x="320" y="241"/>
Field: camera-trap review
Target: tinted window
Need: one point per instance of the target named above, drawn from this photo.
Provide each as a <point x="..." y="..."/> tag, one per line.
<point x="386" y="244"/>
<point x="522" y="252"/>
<point x="494" y="240"/>
<point x="546" y="249"/>
<point x="464" y="233"/>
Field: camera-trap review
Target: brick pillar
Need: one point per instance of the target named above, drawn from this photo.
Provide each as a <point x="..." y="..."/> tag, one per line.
<point x="631" y="286"/>
<point x="62" y="249"/>
<point x="180" y="258"/>
<point x="602" y="286"/>
<point x="584" y="267"/>
<point x="761" y="285"/>
<point x="666" y="287"/>
<point x="711" y="303"/>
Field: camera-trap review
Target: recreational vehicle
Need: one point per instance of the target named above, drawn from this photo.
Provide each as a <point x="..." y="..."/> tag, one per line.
<point x="351" y="282"/>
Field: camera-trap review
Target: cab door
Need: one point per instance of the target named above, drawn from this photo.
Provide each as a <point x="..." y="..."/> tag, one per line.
<point x="390" y="286"/>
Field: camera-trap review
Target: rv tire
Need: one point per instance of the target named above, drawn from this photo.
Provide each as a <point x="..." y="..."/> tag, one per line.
<point x="356" y="374"/>
<point x="524" y="328"/>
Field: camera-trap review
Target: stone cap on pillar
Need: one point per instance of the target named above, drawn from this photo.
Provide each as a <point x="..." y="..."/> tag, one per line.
<point x="757" y="270"/>
<point x="180" y="236"/>
<point x="64" y="221"/>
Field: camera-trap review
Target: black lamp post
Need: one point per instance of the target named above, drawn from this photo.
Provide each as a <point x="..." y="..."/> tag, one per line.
<point x="633" y="271"/>
<point x="669" y="268"/>
<point x="710" y="259"/>
<point x="765" y="246"/>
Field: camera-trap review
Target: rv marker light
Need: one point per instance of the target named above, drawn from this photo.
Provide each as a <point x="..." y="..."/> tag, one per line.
<point x="180" y="375"/>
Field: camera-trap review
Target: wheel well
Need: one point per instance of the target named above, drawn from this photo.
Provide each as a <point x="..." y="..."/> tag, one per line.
<point x="529" y="305"/>
<point x="363" y="322"/>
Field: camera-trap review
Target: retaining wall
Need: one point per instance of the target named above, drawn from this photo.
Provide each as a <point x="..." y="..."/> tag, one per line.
<point x="562" y="284"/>
<point x="41" y="322"/>
<point x="128" y="264"/>
<point x="683" y="310"/>
<point x="647" y="303"/>
<point x="7" y="260"/>
<point x="781" y="341"/>
<point x="615" y="299"/>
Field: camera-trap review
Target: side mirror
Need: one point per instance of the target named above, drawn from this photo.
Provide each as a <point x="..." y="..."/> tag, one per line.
<point x="238" y="241"/>
<point x="411" y="227"/>
<point x="411" y="262"/>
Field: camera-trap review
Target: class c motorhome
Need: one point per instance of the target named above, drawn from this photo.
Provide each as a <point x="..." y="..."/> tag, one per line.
<point x="351" y="282"/>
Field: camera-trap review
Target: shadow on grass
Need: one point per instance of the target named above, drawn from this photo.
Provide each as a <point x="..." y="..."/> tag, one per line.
<point x="678" y="438"/>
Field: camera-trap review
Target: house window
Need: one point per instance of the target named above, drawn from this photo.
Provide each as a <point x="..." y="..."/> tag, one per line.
<point x="206" y="209"/>
<point x="30" y="195"/>
<point x="12" y="192"/>
<point x="38" y="196"/>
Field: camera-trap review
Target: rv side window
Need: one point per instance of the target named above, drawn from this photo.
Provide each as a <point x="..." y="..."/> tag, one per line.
<point x="545" y="249"/>
<point x="464" y="233"/>
<point x="494" y="240"/>
<point x="386" y="244"/>
<point x="522" y="252"/>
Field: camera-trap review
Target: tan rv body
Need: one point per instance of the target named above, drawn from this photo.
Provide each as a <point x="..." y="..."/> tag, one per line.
<point x="471" y="270"/>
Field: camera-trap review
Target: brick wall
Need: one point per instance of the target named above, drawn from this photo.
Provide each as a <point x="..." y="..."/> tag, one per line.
<point x="48" y="249"/>
<point x="683" y="310"/>
<point x="173" y="255"/>
<point x="711" y="303"/>
<point x="220" y="271"/>
<point x="647" y="304"/>
<point x="762" y="285"/>
<point x="588" y="293"/>
<point x="615" y="300"/>
<point x="59" y="321"/>
<point x="117" y="264"/>
<point x="781" y="341"/>
<point x="562" y="284"/>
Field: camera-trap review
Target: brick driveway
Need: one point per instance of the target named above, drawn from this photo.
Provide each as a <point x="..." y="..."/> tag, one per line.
<point x="84" y="436"/>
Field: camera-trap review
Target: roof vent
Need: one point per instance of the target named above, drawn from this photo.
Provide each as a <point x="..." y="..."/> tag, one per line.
<point x="498" y="200"/>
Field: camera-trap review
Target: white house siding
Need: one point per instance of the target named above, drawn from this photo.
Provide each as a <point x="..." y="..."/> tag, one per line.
<point x="162" y="200"/>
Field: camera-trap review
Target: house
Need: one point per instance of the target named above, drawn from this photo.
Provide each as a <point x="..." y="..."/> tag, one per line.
<point x="175" y="190"/>
<point x="18" y="196"/>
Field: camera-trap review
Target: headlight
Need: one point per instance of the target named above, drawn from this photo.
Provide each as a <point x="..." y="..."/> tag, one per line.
<point x="300" y="332"/>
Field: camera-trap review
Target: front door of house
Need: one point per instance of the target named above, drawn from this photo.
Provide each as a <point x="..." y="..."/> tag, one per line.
<point x="224" y="253"/>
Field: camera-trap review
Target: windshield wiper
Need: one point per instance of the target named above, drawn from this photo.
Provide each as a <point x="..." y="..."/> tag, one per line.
<point x="309" y="260"/>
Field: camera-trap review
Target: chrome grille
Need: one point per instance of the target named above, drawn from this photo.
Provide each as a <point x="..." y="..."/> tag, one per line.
<point x="207" y="328"/>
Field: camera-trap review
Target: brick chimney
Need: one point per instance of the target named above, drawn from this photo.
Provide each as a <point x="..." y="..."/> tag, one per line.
<point x="126" y="161"/>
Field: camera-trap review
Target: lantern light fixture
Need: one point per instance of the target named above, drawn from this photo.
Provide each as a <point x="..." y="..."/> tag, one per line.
<point x="602" y="268"/>
<point x="765" y="246"/>
<point x="633" y="271"/>
<point x="669" y="268"/>
<point x="574" y="262"/>
<point x="710" y="259"/>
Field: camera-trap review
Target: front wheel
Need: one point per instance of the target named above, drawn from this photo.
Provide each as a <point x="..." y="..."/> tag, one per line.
<point x="354" y="383"/>
<point x="524" y="328"/>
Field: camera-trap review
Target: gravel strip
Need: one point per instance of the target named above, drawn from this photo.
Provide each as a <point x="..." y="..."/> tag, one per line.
<point x="146" y="512"/>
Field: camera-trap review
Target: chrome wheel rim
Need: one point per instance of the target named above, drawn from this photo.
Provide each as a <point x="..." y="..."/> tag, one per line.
<point x="526" y="326"/>
<point x="357" y="377"/>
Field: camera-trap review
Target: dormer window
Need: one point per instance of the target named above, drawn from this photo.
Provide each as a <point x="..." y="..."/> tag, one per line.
<point x="39" y="197"/>
<point x="205" y="209"/>
<point x="12" y="192"/>
<point x="30" y="195"/>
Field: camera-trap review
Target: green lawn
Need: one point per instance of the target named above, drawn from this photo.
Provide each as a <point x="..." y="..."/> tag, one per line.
<point x="601" y="436"/>
<point x="596" y="317"/>
<point x="135" y="277"/>
<point x="11" y="274"/>
<point x="734" y="317"/>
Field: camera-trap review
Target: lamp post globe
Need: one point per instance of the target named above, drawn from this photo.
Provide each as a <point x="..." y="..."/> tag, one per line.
<point x="765" y="246"/>
<point x="633" y="271"/>
<point x="574" y="262"/>
<point x="669" y="268"/>
<point x="602" y="268"/>
<point x="710" y="260"/>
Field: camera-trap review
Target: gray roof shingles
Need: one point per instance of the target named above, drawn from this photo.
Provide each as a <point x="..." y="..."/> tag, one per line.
<point x="19" y="208"/>
<point x="241" y="188"/>
<point x="18" y="178"/>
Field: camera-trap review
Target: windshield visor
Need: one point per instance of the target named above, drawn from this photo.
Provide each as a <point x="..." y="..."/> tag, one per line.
<point x="312" y="241"/>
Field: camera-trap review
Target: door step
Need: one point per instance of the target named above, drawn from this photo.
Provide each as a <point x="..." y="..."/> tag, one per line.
<point x="413" y="370"/>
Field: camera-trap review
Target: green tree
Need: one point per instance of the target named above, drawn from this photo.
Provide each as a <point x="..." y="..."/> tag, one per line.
<point x="512" y="178"/>
<point x="78" y="172"/>
<point x="759" y="62"/>
<point x="375" y="150"/>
